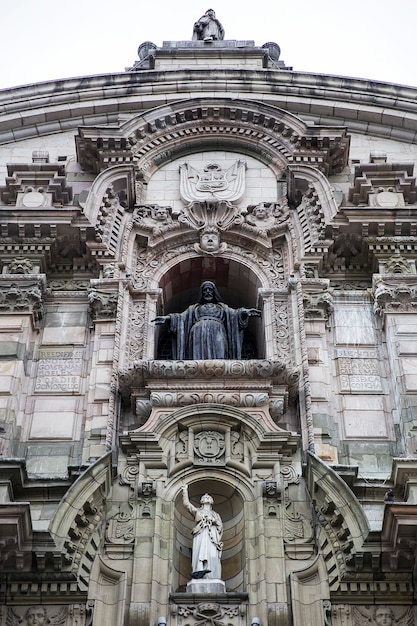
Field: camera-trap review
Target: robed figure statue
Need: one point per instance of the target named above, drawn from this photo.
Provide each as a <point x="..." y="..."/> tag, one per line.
<point x="207" y="534"/>
<point x="208" y="329"/>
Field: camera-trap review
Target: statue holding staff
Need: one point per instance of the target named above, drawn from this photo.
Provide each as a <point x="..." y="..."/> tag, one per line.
<point x="207" y="534"/>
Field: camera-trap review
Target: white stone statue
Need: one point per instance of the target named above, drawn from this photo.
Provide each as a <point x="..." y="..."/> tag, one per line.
<point x="207" y="534"/>
<point x="208" y="27"/>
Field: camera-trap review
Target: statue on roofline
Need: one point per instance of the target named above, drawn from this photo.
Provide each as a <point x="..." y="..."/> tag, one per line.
<point x="208" y="28"/>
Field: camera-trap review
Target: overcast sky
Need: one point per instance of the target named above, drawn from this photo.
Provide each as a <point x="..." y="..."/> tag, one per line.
<point x="48" y="39"/>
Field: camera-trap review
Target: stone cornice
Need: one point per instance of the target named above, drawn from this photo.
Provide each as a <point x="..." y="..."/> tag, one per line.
<point x="364" y="106"/>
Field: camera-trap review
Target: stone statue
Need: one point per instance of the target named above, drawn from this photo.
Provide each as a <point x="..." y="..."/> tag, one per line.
<point x="207" y="534"/>
<point x="208" y="329"/>
<point x="208" y="27"/>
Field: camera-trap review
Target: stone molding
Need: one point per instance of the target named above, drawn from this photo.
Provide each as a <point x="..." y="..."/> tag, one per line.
<point x="78" y="102"/>
<point x="143" y="372"/>
<point x="152" y="139"/>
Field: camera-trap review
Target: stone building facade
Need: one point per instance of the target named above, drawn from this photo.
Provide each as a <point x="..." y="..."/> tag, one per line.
<point x="295" y="194"/>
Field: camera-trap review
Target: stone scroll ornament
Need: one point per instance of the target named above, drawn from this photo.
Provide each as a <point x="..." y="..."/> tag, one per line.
<point x="208" y="329"/>
<point x="207" y="534"/>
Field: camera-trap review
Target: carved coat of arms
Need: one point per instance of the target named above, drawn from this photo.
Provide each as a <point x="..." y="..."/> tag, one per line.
<point x="212" y="183"/>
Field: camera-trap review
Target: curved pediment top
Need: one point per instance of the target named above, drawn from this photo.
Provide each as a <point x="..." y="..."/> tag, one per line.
<point x="268" y="133"/>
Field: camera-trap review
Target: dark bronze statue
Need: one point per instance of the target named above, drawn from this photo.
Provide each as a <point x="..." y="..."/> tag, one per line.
<point x="208" y="329"/>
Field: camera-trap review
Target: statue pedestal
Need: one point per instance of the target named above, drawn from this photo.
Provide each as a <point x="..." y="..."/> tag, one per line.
<point x="209" y="585"/>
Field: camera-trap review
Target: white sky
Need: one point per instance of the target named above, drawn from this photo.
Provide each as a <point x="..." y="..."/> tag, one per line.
<point x="50" y="39"/>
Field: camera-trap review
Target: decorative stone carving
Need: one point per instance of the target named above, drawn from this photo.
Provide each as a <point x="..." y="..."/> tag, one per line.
<point x="382" y="615"/>
<point x="109" y="216"/>
<point x="120" y="534"/>
<point x="103" y="304"/>
<point x="396" y="264"/>
<point x="36" y="185"/>
<point x="267" y="217"/>
<point x="262" y="368"/>
<point x="272" y="489"/>
<point x="68" y="285"/>
<point x="21" y="297"/>
<point x="181" y="446"/>
<point x="384" y="185"/>
<point x="391" y="296"/>
<point x="210" y="242"/>
<point x="154" y="218"/>
<point x="317" y="304"/>
<point x="129" y="475"/>
<point x="209" y="613"/>
<point x="212" y="184"/>
<point x="37" y="614"/>
<point x="109" y="270"/>
<point x="21" y="265"/>
<point x="136" y="330"/>
<point x="209" y="447"/>
<point x="181" y="398"/>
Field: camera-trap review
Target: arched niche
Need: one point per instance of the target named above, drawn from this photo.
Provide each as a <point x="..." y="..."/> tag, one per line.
<point x="229" y="504"/>
<point x="238" y="286"/>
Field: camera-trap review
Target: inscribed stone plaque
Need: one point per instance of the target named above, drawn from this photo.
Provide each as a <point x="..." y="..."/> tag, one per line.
<point x="59" y="369"/>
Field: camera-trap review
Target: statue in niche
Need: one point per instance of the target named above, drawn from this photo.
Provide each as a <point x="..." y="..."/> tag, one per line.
<point x="208" y="28"/>
<point x="208" y="329"/>
<point x="207" y="534"/>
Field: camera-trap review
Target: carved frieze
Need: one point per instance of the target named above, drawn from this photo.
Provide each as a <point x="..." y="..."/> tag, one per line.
<point x="274" y="371"/>
<point x="181" y="398"/>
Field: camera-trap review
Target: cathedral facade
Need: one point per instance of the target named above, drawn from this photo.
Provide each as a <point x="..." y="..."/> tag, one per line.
<point x="208" y="354"/>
